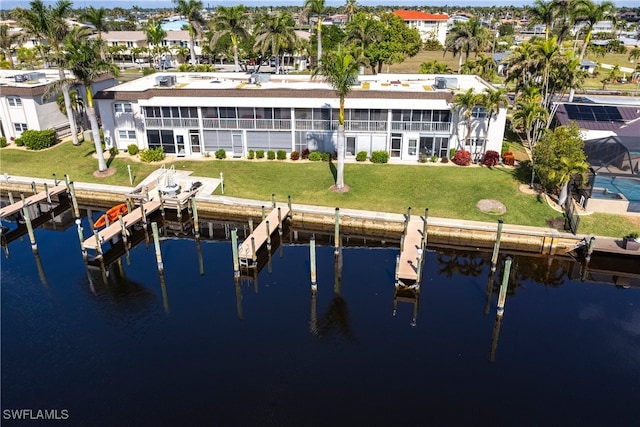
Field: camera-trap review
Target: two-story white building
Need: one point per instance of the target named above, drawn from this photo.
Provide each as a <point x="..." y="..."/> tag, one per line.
<point x="190" y="114"/>
<point x="23" y="106"/>
<point x="429" y="25"/>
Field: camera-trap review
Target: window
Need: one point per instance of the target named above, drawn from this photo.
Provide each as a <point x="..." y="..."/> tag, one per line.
<point x="14" y="101"/>
<point x="122" y="107"/>
<point x="114" y="43"/>
<point x="479" y="113"/>
<point x="127" y="134"/>
<point x="129" y="44"/>
<point x="20" y="127"/>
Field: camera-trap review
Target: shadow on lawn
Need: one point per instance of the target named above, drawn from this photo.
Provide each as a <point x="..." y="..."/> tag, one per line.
<point x="333" y="170"/>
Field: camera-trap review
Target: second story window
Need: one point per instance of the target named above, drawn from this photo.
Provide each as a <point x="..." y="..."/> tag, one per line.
<point x="122" y="107"/>
<point x="14" y="101"/>
<point x="479" y="113"/>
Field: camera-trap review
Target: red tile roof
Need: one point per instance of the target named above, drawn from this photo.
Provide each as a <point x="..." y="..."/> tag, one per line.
<point x="416" y="15"/>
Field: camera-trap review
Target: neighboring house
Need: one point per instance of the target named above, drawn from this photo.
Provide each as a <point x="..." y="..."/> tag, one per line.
<point x="22" y="105"/>
<point x="192" y="114"/>
<point x="588" y="66"/>
<point x="430" y="26"/>
<point x="138" y="39"/>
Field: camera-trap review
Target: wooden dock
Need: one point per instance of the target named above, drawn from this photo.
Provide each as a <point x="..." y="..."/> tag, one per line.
<point x="246" y="253"/>
<point x="409" y="255"/>
<point x="36" y="198"/>
<point x="115" y="229"/>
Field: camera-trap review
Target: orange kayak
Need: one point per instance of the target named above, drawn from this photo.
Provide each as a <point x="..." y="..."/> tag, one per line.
<point x="112" y="215"/>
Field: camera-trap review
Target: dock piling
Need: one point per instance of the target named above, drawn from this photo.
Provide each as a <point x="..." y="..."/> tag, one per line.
<point x="503" y="288"/>
<point x="85" y="255"/>
<point x="273" y="201"/>
<point x="10" y="198"/>
<point x="156" y="243"/>
<point x="312" y="260"/>
<point x="496" y="247"/>
<point x="263" y="213"/>
<point x="406" y="220"/>
<point x="289" y="203"/>
<point x="336" y="237"/>
<point x="590" y="245"/>
<point x="253" y="249"/>
<point x="33" y="187"/>
<point x="196" y="223"/>
<point x="74" y="200"/>
<point x="27" y="220"/>
<point x="250" y="225"/>
<point x="55" y="180"/>
<point x="221" y="183"/>
<point x="234" y="249"/>
<point x="268" y="235"/>
<point x="419" y="267"/>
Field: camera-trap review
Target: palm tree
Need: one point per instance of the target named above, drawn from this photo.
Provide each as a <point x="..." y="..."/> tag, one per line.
<point x="634" y="54"/>
<point x="543" y="13"/>
<point x="464" y="104"/>
<point x="191" y="9"/>
<point x="465" y="38"/>
<point x="350" y="8"/>
<point x="434" y="67"/>
<point x="230" y="21"/>
<point x="521" y="65"/>
<point x="83" y="59"/>
<point x="97" y="18"/>
<point x="340" y="70"/>
<point x="275" y="34"/>
<point x="49" y="26"/>
<point x="316" y="7"/>
<point x="493" y="100"/>
<point x="529" y="117"/>
<point x="7" y="39"/>
<point x="155" y="34"/>
<point x="546" y="52"/>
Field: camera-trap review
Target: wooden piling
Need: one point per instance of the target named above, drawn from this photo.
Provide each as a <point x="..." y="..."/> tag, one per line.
<point x="253" y="249"/>
<point x="266" y="223"/>
<point x="46" y="191"/>
<point x="397" y="268"/>
<point x="406" y="220"/>
<point x="196" y="223"/>
<point x="98" y="242"/>
<point x="496" y="247"/>
<point x="55" y="180"/>
<point x="250" y="225"/>
<point x="156" y="243"/>
<point x="590" y="246"/>
<point x="503" y="288"/>
<point x="27" y="220"/>
<point x="263" y="213"/>
<point x="279" y="221"/>
<point x="289" y="203"/>
<point x="336" y="237"/>
<point x="74" y="201"/>
<point x="33" y="187"/>
<point x="234" y="250"/>
<point x="10" y="198"/>
<point x="312" y="260"/>
<point x="419" y="267"/>
<point x="144" y="215"/>
<point x="221" y="183"/>
<point x="273" y="201"/>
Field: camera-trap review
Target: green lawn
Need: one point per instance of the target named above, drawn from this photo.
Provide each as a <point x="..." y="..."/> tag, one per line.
<point x="448" y="191"/>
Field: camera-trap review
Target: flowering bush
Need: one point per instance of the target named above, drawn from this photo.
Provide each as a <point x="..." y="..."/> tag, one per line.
<point x="462" y="158"/>
<point x="491" y="158"/>
<point x="295" y="155"/>
<point x="508" y="158"/>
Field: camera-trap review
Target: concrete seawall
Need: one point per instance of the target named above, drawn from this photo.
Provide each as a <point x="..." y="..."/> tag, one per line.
<point x="546" y="241"/>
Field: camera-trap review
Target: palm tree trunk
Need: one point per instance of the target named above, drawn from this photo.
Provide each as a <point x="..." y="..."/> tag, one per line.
<point x="192" y="49"/>
<point x="319" y="40"/>
<point x="583" y="51"/>
<point x="67" y="106"/>
<point x="236" y="65"/>
<point x="340" y="149"/>
<point x="95" y="130"/>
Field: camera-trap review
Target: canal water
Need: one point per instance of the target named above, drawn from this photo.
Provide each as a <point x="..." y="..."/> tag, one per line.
<point x="195" y="349"/>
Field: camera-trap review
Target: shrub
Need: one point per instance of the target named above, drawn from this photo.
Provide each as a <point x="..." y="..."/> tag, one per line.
<point x="220" y="154"/>
<point x="259" y="154"/>
<point x="326" y="157"/>
<point x="251" y="155"/>
<point x="114" y="151"/>
<point x="294" y="155"/>
<point x="148" y="70"/>
<point x="19" y="142"/>
<point x="508" y="158"/>
<point x="423" y="158"/>
<point x="3" y="142"/>
<point x="380" y="156"/>
<point x="305" y="153"/>
<point x="271" y="155"/>
<point x="133" y="149"/>
<point x="444" y="160"/>
<point x="38" y="139"/>
<point x="281" y="155"/>
<point x="491" y="158"/>
<point x="452" y="152"/>
<point x="505" y="147"/>
<point x="434" y="159"/>
<point x="152" y="155"/>
<point x="361" y="156"/>
<point x="462" y="158"/>
<point x="315" y="156"/>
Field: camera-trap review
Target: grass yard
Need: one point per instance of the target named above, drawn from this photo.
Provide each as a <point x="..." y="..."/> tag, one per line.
<point x="447" y="190"/>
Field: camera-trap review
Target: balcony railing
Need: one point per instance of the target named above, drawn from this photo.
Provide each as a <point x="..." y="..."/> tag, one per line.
<point x="246" y="124"/>
<point x="422" y="126"/>
<point x="170" y="123"/>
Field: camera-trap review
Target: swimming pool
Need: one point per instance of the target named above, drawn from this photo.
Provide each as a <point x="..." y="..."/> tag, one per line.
<point x="174" y="25"/>
<point x="629" y="187"/>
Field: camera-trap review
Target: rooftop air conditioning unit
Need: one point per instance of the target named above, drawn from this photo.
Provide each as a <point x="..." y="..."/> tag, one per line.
<point x="446" y="83"/>
<point x="34" y="76"/>
<point x="20" y="78"/>
<point x="166" y="81"/>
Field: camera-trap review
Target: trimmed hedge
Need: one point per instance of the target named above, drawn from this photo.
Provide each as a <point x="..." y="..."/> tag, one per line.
<point x="271" y="155"/>
<point x="133" y="149"/>
<point x="259" y="154"/>
<point x="251" y="155"/>
<point x="326" y="157"/>
<point x="3" y="142"/>
<point x="315" y="156"/>
<point x="220" y="154"/>
<point x="38" y="139"/>
<point x="361" y="156"/>
<point x="380" y="156"/>
<point x="152" y="155"/>
<point x="281" y="155"/>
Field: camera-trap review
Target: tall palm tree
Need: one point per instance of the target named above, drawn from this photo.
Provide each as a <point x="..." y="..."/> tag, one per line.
<point x="530" y="117"/>
<point x="464" y="104"/>
<point x="276" y="34"/>
<point x="634" y="54"/>
<point x="48" y="25"/>
<point x="591" y="13"/>
<point x="350" y="8"/>
<point x="97" y="18"/>
<point x="493" y="100"/>
<point x="340" y="70"/>
<point x="230" y="21"/>
<point x="155" y="34"/>
<point x="7" y="39"/>
<point x="192" y="10"/>
<point x="316" y="7"/>
<point x="546" y="53"/>
<point x="543" y="13"/>
<point x="465" y="38"/>
<point x="83" y="59"/>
